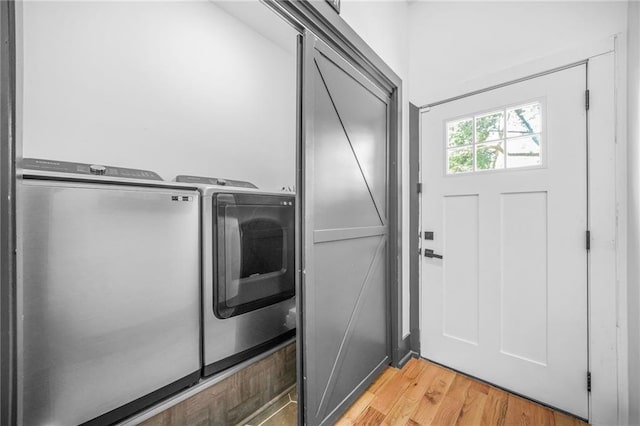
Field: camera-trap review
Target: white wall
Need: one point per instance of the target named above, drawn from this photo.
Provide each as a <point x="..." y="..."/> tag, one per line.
<point x="633" y="166"/>
<point x="383" y="26"/>
<point x="453" y="42"/>
<point x="175" y="87"/>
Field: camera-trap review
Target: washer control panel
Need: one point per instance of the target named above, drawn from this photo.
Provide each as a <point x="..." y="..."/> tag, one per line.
<point x="87" y="169"/>
<point x="214" y="181"/>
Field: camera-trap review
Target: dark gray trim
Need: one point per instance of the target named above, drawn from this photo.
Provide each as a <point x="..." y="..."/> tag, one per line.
<point x="414" y="226"/>
<point x="8" y="410"/>
<point x="369" y="84"/>
<point x="407" y="358"/>
<point x="410" y="345"/>
<point x="300" y="223"/>
<point x="319" y="18"/>
<point x="399" y="347"/>
<point x="335" y="4"/>
<point x="507" y="83"/>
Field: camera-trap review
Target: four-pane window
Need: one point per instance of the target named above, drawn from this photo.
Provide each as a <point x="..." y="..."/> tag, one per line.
<point x="506" y="138"/>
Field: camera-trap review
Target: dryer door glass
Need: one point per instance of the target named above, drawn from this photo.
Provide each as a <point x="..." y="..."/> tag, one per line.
<point x="254" y="253"/>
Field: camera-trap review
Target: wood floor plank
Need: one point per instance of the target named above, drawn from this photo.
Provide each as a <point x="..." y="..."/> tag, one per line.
<point x="413" y="368"/>
<point x="421" y="384"/>
<point x="386" y="375"/>
<point x="430" y="402"/>
<point x="523" y="412"/>
<point x="391" y="391"/>
<point x="401" y="412"/>
<point x="544" y="416"/>
<point x="356" y="409"/>
<point x="495" y="408"/>
<point x="561" y="419"/>
<point x="448" y="411"/>
<point x="452" y="403"/>
<point x="459" y="387"/>
<point x="518" y="412"/>
<point x="473" y="405"/>
<point x="342" y="421"/>
<point x="423" y="375"/>
<point x="370" y="416"/>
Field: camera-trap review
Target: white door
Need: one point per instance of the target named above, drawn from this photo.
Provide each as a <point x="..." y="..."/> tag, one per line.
<point x="505" y="195"/>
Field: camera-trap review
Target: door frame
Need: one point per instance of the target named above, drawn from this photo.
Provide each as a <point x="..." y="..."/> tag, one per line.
<point x="8" y="383"/>
<point x="606" y="134"/>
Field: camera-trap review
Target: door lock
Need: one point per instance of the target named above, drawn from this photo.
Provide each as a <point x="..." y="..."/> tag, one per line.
<point x="431" y="254"/>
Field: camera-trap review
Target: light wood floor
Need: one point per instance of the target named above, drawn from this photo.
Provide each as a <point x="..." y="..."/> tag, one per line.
<point x="423" y="393"/>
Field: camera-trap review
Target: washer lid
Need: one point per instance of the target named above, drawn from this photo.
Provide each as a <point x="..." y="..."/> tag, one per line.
<point x="87" y="169"/>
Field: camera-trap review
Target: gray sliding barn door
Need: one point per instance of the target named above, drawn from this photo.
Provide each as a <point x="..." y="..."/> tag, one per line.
<point x="344" y="293"/>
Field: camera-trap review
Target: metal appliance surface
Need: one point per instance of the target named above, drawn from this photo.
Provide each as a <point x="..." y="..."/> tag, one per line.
<point x="228" y="341"/>
<point x="109" y="293"/>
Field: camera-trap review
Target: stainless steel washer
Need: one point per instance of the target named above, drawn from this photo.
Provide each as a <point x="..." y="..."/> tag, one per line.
<point x="109" y="292"/>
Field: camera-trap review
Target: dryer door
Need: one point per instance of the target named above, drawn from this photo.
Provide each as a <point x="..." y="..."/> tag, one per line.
<point x="254" y="254"/>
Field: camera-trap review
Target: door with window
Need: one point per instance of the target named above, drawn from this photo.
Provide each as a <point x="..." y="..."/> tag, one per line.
<point x="504" y="282"/>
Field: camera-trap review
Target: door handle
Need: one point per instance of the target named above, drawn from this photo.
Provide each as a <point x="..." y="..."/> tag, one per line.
<point x="431" y="254"/>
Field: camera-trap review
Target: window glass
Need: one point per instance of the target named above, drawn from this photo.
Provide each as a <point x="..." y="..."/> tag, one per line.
<point x="490" y="156"/>
<point x="507" y="138"/>
<point x="460" y="132"/>
<point x="523" y="152"/>
<point x="524" y="120"/>
<point x="490" y="127"/>
<point x="460" y="160"/>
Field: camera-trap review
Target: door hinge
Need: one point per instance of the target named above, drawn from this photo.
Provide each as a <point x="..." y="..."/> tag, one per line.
<point x="420" y="251"/>
<point x="588" y="381"/>
<point x="588" y="240"/>
<point x="586" y="99"/>
<point x="419" y="188"/>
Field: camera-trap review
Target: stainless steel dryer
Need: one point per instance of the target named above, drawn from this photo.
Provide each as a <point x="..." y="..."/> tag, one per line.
<point x="109" y="292"/>
<point x="248" y="260"/>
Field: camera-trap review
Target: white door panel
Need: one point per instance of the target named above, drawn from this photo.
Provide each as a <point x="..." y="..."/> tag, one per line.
<point x="508" y="301"/>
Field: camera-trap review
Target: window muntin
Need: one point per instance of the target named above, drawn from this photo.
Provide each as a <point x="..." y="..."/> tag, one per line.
<point x="506" y="138"/>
